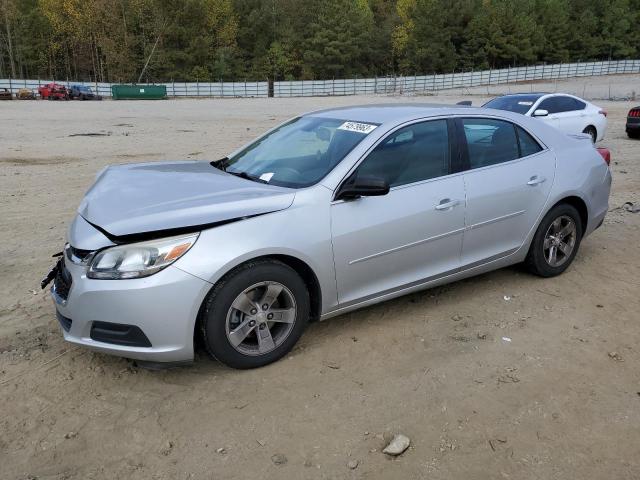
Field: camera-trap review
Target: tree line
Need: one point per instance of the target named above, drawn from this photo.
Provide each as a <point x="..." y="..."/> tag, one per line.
<point x="207" y="40"/>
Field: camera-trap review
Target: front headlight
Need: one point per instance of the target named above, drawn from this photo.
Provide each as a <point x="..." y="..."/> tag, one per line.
<point x="137" y="260"/>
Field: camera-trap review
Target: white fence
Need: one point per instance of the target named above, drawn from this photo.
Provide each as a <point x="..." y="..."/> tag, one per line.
<point x="217" y="89"/>
<point x="365" y="86"/>
<point x="434" y="83"/>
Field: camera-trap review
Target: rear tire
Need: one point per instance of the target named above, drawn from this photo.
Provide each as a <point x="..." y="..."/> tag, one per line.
<point x="634" y="135"/>
<point x="556" y="242"/>
<point x="591" y="131"/>
<point x="255" y="314"/>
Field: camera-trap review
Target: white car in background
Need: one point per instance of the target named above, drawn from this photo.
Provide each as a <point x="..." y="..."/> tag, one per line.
<point x="565" y="112"/>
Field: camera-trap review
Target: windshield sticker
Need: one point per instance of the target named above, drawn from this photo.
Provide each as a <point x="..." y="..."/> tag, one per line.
<point x="266" y="176"/>
<point x="526" y="104"/>
<point x="365" y="128"/>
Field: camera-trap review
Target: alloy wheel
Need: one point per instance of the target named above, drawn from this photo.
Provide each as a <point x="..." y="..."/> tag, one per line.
<point x="261" y="318"/>
<point x="559" y="241"/>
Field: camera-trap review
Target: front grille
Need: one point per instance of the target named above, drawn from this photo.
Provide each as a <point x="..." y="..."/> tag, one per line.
<point x="65" y="322"/>
<point x="62" y="282"/>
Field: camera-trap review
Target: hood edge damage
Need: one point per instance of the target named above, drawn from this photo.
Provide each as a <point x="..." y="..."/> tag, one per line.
<point x="169" y="232"/>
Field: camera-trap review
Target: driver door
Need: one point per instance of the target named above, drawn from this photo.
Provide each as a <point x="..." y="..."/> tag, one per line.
<point x="563" y="113"/>
<point x="412" y="234"/>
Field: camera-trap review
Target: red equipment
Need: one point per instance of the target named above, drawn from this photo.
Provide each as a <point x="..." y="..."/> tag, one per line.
<point x="53" y="91"/>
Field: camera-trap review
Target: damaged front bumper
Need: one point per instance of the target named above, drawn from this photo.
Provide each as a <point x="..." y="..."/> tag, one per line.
<point x="151" y="318"/>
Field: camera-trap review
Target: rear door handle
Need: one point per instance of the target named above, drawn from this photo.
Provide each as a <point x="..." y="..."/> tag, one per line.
<point x="535" y="180"/>
<point x="446" y="204"/>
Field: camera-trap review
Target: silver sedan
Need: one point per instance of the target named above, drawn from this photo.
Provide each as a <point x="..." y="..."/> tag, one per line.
<point x="327" y="213"/>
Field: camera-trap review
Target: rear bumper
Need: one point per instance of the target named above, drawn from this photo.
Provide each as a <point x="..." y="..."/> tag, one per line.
<point x="150" y="319"/>
<point x="633" y="126"/>
<point x="601" y="201"/>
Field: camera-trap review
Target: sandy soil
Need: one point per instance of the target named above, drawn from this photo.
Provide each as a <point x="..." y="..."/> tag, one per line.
<point x="560" y="400"/>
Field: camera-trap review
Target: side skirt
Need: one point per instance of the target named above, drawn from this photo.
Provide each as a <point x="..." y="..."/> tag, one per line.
<point x="505" y="259"/>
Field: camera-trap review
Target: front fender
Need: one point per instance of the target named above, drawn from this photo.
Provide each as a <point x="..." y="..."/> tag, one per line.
<point x="302" y="231"/>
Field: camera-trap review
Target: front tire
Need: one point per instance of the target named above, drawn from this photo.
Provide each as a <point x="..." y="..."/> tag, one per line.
<point x="255" y="314"/>
<point x="556" y="241"/>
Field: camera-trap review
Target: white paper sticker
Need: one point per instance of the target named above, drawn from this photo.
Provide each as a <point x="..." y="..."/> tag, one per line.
<point x="266" y="176"/>
<point x="527" y="104"/>
<point x="365" y="128"/>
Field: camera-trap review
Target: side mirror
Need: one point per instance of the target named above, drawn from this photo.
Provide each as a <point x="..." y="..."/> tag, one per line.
<point x="357" y="187"/>
<point x="465" y="103"/>
<point x="540" y="113"/>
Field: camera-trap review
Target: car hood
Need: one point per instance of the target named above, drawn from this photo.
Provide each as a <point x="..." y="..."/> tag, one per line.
<point x="143" y="198"/>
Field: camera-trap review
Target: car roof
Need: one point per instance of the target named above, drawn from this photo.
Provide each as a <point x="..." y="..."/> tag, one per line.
<point x="525" y="94"/>
<point x="395" y="112"/>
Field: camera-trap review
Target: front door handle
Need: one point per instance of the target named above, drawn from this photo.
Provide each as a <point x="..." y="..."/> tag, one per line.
<point x="446" y="204"/>
<point x="535" y="180"/>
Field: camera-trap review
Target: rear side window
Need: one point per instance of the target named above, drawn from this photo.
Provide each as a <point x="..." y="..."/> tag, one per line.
<point x="490" y="141"/>
<point x="579" y="105"/>
<point x="414" y="153"/>
<point x="528" y="145"/>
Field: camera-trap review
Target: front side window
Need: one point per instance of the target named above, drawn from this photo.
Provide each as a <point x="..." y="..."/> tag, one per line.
<point x="298" y="153"/>
<point x="559" y="104"/>
<point x="411" y="154"/>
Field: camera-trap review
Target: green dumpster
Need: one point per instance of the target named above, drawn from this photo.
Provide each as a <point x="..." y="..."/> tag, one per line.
<point x="138" y="92"/>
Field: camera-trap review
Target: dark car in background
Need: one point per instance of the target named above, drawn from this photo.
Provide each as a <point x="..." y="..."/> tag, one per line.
<point x="82" y="92"/>
<point x="5" y="94"/>
<point x="633" y="123"/>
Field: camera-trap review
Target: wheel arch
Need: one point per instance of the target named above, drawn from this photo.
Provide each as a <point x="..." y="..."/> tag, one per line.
<point x="579" y="204"/>
<point x="308" y="276"/>
<point x="301" y="267"/>
<point x="591" y="126"/>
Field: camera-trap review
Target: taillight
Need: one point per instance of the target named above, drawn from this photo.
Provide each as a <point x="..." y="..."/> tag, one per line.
<point x="603" y="112"/>
<point x="606" y="154"/>
<point x="634" y="113"/>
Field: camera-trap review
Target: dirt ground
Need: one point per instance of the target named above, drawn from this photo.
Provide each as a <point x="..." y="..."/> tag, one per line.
<point x="559" y="400"/>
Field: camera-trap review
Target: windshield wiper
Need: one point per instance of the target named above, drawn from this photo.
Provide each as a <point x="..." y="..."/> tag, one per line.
<point x="246" y="176"/>
<point x="220" y="164"/>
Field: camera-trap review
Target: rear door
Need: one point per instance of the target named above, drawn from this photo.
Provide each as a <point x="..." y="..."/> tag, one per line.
<point x="508" y="178"/>
<point x="413" y="233"/>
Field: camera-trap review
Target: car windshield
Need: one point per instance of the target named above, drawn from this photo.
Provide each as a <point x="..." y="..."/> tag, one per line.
<point x="515" y="103"/>
<point x="82" y="88"/>
<point x="298" y="153"/>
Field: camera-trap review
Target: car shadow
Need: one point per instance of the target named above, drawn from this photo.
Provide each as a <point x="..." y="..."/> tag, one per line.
<point x="322" y="334"/>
